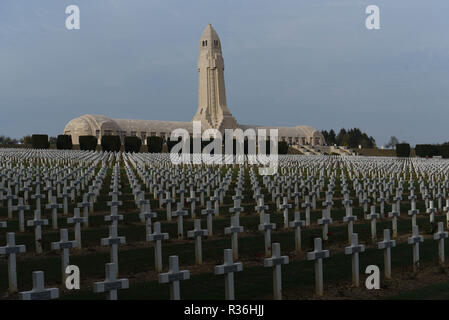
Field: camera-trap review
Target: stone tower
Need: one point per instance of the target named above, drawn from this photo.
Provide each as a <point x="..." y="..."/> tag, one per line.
<point x="212" y="109"/>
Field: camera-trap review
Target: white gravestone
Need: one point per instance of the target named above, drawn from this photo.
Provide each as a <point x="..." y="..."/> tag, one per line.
<point x="197" y="233"/>
<point x="266" y="226"/>
<point x="39" y="292"/>
<point x="297" y="224"/>
<point x="179" y="213"/>
<point x="37" y="223"/>
<point x="64" y="245"/>
<point x="275" y="262"/>
<point x="111" y="284"/>
<point x="173" y="276"/>
<point x="318" y="254"/>
<point x="354" y="249"/>
<point x="54" y="206"/>
<point x="157" y="236"/>
<point x="209" y="212"/>
<point x="77" y="220"/>
<point x="11" y="250"/>
<point x="234" y="230"/>
<point x="414" y="240"/>
<point x="113" y="241"/>
<point x="394" y="214"/>
<point x="440" y="235"/>
<point x="21" y="209"/>
<point x="386" y="245"/>
<point x="228" y="268"/>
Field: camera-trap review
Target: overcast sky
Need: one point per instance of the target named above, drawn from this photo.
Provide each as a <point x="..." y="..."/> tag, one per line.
<point x="292" y="62"/>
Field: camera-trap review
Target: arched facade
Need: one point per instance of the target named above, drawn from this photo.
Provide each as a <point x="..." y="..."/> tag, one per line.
<point x="212" y="111"/>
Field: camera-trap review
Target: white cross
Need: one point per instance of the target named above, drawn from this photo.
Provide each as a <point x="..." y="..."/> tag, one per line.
<point x="285" y="206"/>
<point x="216" y="198"/>
<point x="10" y="197"/>
<point x="21" y="208"/>
<point x="394" y="214"/>
<point x="278" y="196"/>
<point x="307" y="204"/>
<point x="113" y="241"/>
<point x="382" y="201"/>
<point x="413" y="212"/>
<point x="209" y="212"/>
<point x="173" y="276"/>
<point x="111" y="283"/>
<point x="147" y="215"/>
<point x="297" y="224"/>
<point x="431" y="211"/>
<point x="440" y="236"/>
<point x="261" y="207"/>
<point x="386" y="245"/>
<point x="197" y="233"/>
<point x="180" y="214"/>
<point x="354" y="249"/>
<point x="77" y="220"/>
<point x="91" y="197"/>
<point x="228" y="268"/>
<point x="237" y="209"/>
<point x="193" y="200"/>
<point x="11" y="249"/>
<point x="37" y="223"/>
<point x="158" y="237"/>
<point x="398" y="199"/>
<point x="114" y="217"/>
<point x="414" y="240"/>
<point x="64" y="245"/>
<point x="266" y="226"/>
<point x="325" y="221"/>
<point x="65" y="194"/>
<point x="168" y="201"/>
<point x="39" y="292"/>
<point x="275" y="262"/>
<point x="373" y="216"/>
<point x="234" y="229"/>
<point x="181" y="192"/>
<point x="318" y="254"/>
<point x="446" y="208"/>
<point x="85" y="204"/>
<point x="350" y="218"/>
<point x="54" y="206"/>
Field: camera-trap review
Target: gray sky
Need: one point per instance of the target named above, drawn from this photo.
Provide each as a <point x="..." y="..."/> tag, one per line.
<point x="287" y="62"/>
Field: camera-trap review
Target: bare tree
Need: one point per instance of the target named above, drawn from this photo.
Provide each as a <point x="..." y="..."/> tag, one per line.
<point x="392" y="143"/>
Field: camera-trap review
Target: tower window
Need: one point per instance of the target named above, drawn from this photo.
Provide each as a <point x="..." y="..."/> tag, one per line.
<point x="204" y="43"/>
<point x="216" y="43"/>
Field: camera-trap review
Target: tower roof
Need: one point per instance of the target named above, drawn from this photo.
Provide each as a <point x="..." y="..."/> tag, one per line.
<point x="209" y="34"/>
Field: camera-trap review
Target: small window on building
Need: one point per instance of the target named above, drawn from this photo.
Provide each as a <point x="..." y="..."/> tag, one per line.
<point x="204" y="43"/>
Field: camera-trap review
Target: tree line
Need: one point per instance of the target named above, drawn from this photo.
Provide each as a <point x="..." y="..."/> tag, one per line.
<point x="352" y="138"/>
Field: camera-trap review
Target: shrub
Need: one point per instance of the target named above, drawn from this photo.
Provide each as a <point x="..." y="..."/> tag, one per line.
<point x="426" y="150"/>
<point x="64" y="142"/>
<point x="444" y="150"/>
<point x="111" y="143"/>
<point x="403" y="150"/>
<point x="132" y="144"/>
<point x="171" y="144"/>
<point x="40" y="141"/>
<point x="155" y="144"/>
<point x="282" y="147"/>
<point x="88" y="143"/>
